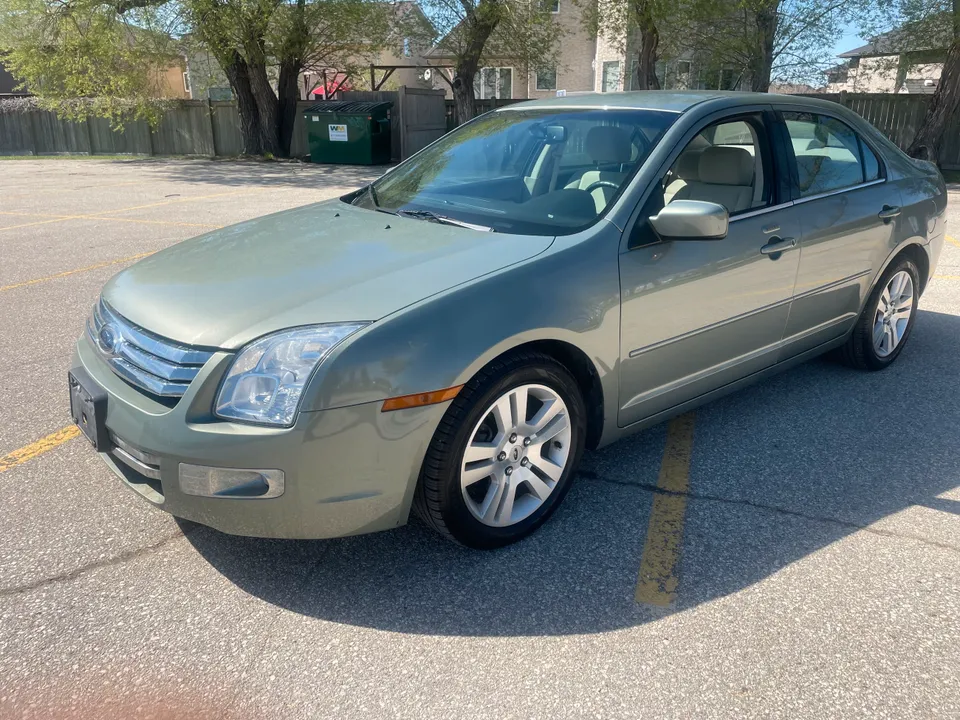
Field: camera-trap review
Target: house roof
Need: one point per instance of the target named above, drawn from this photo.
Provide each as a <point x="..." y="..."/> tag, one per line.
<point x="908" y="38"/>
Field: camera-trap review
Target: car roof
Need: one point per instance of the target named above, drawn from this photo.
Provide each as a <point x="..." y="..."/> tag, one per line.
<point x="676" y="101"/>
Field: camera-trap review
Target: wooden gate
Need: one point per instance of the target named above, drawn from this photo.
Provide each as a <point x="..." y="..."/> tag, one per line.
<point x="423" y="118"/>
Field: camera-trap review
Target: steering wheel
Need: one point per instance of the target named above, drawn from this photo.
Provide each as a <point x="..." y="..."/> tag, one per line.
<point x="601" y="183"/>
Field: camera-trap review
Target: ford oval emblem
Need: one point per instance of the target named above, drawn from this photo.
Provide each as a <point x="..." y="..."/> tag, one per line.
<point x="109" y="338"/>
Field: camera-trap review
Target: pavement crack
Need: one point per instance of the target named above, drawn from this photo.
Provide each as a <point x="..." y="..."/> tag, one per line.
<point x="97" y="565"/>
<point x="590" y="475"/>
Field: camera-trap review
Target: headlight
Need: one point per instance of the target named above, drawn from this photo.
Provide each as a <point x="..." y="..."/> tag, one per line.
<point x="266" y="379"/>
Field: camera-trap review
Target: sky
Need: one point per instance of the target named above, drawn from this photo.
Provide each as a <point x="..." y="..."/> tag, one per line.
<point x="850" y="40"/>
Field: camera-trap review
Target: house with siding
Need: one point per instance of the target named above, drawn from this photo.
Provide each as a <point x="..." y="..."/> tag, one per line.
<point x="895" y="62"/>
<point x="588" y="63"/>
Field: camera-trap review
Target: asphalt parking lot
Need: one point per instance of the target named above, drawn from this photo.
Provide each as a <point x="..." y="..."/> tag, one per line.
<point x="814" y="571"/>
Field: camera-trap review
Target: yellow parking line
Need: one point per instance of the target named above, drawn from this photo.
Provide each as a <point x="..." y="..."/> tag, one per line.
<point x="946" y="277"/>
<point x="4" y="288"/>
<point x="28" y="452"/>
<point x="109" y="219"/>
<point x="31" y="224"/>
<point x="657" y="582"/>
<point x="953" y="241"/>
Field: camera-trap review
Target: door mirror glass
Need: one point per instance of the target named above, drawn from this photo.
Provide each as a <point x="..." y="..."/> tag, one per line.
<point x="691" y="220"/>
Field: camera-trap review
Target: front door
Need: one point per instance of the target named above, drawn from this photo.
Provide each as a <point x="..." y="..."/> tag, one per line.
<point x="697" y="315"/>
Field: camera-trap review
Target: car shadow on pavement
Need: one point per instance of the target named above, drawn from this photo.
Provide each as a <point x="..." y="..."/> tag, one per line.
<point x="779" y="471"/>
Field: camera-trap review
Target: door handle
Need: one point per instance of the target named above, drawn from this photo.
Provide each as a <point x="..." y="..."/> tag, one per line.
<point x="889" y="212"/>
<point x="777" y="246"/>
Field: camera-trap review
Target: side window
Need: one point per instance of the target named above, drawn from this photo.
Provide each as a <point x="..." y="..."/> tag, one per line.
<point x="828" y="154"/>
<point x="871" y="166"/>
<point x="724" y="164"/>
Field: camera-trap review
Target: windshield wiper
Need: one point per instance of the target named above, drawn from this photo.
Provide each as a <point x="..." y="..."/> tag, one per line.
<point x="442" y="219"/>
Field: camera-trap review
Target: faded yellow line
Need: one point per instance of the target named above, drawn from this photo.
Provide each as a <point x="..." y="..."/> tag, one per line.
<point x="109" y="219"/>
<point x="186" y="199"/>
<point x="31" y="224"/>
<point x="953" y="241"/>
<point x="658" y="579"/>
<point x="946" y="277"/>
<point x="34" y="449"/>
<point x="108" y="263"/>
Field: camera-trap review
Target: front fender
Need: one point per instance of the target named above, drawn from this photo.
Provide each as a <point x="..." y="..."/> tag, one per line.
<point x="571" y="293"/>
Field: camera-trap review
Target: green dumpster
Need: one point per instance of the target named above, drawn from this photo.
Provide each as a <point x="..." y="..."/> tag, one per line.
<point x="350" y="132"/>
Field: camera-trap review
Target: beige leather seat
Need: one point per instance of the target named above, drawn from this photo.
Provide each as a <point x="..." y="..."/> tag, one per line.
<point x="685" y="171"/>
<point x="606" y="145"/>
<point x="726" y="178"/>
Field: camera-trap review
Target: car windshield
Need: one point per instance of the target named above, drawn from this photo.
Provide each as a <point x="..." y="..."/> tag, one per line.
<point x="537" y="172"/>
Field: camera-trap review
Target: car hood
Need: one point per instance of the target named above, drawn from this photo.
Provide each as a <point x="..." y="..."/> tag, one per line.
<point x="327" y="262"/>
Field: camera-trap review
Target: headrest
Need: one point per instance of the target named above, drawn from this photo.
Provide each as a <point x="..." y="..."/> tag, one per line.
<point x="721" y="165"/>
<point x="607" y="144"/>
<point x="687" y="167"/>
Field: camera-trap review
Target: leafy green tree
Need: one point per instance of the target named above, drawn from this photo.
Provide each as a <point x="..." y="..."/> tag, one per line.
<point x="476" y="33"/>
<point x="763" y="40"/>
<point x="110" y="52"/>
<point x="925" y="31"/>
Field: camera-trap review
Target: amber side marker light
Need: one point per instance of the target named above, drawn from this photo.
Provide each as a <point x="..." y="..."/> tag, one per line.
<point x="420" y="399"/>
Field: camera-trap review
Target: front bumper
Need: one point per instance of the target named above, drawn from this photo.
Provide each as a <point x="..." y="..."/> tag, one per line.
<point x="346" y="471"/>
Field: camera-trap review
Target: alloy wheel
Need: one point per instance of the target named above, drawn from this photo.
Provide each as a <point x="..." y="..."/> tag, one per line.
<point x="893" y="313"/>
<point x="516" y="455"/>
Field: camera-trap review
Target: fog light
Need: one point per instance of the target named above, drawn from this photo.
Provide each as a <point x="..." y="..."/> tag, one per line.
<point x="230" y="482"/>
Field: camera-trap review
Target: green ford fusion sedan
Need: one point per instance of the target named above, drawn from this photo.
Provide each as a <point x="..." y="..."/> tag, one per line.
<point x="549" y="277"/>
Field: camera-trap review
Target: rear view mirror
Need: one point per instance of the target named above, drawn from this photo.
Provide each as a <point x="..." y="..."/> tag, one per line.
<point x="551" y="134"/>
<point x="691" y="220"/>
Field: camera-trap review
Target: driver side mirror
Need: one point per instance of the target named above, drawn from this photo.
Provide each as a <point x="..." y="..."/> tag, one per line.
<point x="691" y="220"/>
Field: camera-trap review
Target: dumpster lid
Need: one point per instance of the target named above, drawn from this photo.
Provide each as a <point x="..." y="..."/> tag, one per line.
<point x="348" y="106"/>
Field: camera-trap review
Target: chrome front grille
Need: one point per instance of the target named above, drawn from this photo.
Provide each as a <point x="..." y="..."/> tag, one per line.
<point x="159" y="366"/>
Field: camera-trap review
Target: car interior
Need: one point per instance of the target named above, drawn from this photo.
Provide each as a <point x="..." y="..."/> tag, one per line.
<point x="721" y="165"/>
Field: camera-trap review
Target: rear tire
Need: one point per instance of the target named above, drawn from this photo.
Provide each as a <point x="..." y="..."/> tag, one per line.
<point x="506" y="488"/>
<point x="884" y="326"/>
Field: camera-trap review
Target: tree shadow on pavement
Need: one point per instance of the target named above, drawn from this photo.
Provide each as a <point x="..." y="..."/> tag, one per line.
<point x="239" y="173"/>
<point x="779" y="471"/>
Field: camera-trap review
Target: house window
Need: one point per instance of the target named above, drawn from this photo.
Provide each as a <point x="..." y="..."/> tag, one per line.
<point x="683" y="68"/>
<point x="406" y="47"/>
<point x="728" y="79"/>
<point x="610" y="76"/>
<point x="547" y="79"/>
<point x="186" y="82"/>
<point x="552" y="6"/>
<point x="493" y="83"/>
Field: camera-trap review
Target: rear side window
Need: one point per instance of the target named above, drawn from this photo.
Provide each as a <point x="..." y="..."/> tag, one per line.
<point x="830" y="155"/>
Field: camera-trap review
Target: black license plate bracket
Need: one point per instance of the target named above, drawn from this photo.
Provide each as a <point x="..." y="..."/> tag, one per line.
<point x="88" y="406"/>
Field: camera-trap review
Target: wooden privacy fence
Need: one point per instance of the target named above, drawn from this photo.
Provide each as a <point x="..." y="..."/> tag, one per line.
<point x="419" y="116"/>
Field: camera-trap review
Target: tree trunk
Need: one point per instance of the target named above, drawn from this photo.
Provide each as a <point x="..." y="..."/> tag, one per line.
<point x="290" y="59"/>
<point x="288" y="93"/>
<point x="762" y="63"/>
<point x="235" y="69"/>
<point x="267" y="107"/>
<point x="464" y="103"/>
<point x="649" y="42"/>
<point x="478" y="27"/>
<point x="944" y="106"/>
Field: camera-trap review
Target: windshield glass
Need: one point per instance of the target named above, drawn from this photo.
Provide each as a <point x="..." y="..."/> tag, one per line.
<point x="538" y="172"/>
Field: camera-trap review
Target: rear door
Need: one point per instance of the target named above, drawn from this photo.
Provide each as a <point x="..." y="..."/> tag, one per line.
<point x="848" y="215"/>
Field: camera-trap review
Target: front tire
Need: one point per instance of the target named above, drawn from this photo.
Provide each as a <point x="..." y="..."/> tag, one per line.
<point x="505" y="452"/>
<point x="884" y="325"/>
